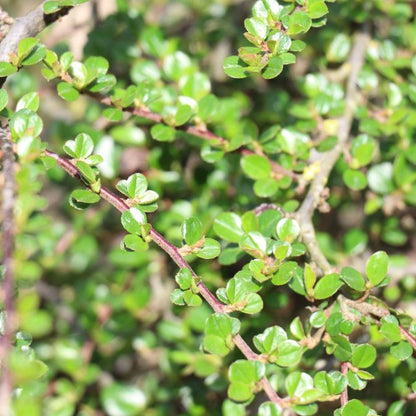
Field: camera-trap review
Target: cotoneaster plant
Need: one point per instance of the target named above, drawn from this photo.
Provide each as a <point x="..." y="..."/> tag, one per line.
<point x="228" y="246"/>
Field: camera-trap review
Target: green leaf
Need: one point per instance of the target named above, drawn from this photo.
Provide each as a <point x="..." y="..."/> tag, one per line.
<point x="183" y="114"/>
<point x="355" y="408"/>
<point x="330" y="383"/>
<point x="296" y="328"/>
<point x="380" y="178"/>
<point x="113" y="114"/>
<point x="338" y="48"/>
<point x="402" y="350"/>
<point x="219" y="332"/>
<point x="355" y="241"/>
<point x="274" y="68"/>
<point x="6" y="69"/>
<point x="391" y="331"/>
<point x="269" y="341"/>
<point x="176" y="64"/>
<point x="25" y="123"/>
<point x="37" y="54"/>
<point x="132" y="220"/>
<point x="191" y="230"/>
<point x="317" y="9"/>
<point x="144" y="71"/>
<point x="309" y="278"/>
<point x="65" y="60"/>
<point x="163" y="133"/>
<point x="4" y="99"/>
<point x="297" y="383"/>
<point x="354" y="179"/>
<point x="297" y="45"/>
<point x="210" y="249"/>
<point x="353" y="278"/>
<point x="362" y="150"/>
<point x="122" y="399"/>
<point x="254" y="243"/>
<point x="376" y="267"/>
<point x="289" y="353"/>
<point x="232" y="67"/>
<point x="355" y="382"/>
<point x="96" y="65"/>
<point x="29" y="100"/>
<point x="265" y="188"/>
<point x="134" y="242"/>
<point x="287" y="229"/>
<point x="256" y="166"/>
<point x="299" y="22"/>
<point x="363" y="356"/>
<point x="51" y="7"/>
<point x="184" y="278"/>
<point x="79" y="74"/>
<point x="192" y="299"/>
<point x="285" y="273"/>
<point x="67" y="91"/>
<point x="256" y="27"/>
<point x="81" y="198"/>
<point x="134" y="186"/>
<point x="270" y="409"/>
<point x="240" y="392"/>
<point x="343" y="350"/>
<point x="176" y="297"/>
<point x="246" y="372"/>
<point x="87" y="172"/>
<point x="207" y="107"/>
<point x="228" y="226"/>
<point x="25" y="47"/>
<point x="327" y="286"/>
<point x="195" y="85"/>
<point x="80" y="148"/>
<point x="24" y="367"/>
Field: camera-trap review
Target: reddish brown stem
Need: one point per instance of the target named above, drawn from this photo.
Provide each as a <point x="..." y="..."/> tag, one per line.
<point x="173" y="252"/>
<point x="204" y="134"/>
<point x="409" y="337"/>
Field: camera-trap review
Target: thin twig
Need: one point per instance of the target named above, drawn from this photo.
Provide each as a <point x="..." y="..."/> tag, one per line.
<point x="328" y="159"/>
<point x="8" y="204"/>
<point x="202" y="133"/>
<point x="409" y="337"/>
<point x="173" y="252"/>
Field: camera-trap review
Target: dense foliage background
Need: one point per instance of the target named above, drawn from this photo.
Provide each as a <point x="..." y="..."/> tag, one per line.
<point x="245" y="140"/>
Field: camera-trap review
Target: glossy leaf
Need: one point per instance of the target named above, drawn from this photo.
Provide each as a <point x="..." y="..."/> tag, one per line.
<point x="376" y="267"/>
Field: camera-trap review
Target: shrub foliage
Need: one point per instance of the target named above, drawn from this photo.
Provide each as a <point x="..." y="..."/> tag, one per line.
<point x="189" y="231"/>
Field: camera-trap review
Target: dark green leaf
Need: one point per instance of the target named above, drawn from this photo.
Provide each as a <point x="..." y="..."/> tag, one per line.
<point x="256" y="167"/>
<point x="327" y="286"/>
<point x="363" y="356"/>
<point x="228" y="226"/>
<point x="353" y="278"/>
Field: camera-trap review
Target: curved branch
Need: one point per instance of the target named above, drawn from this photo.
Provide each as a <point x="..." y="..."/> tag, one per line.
<point x="328" y="159"/>
<point x="173" y="252"/>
